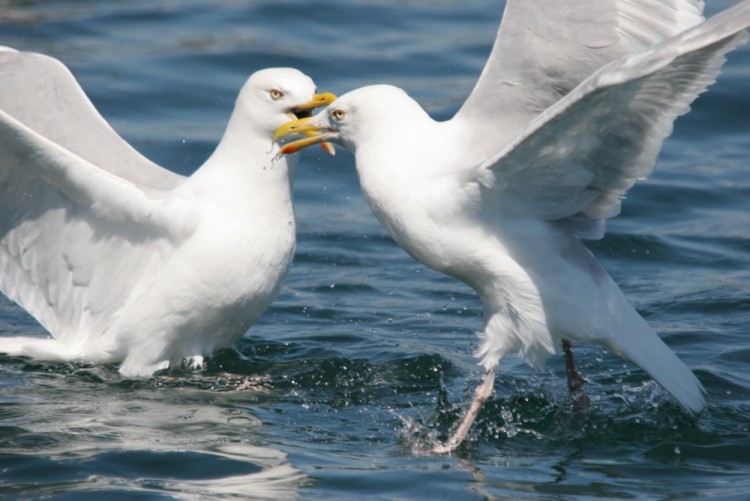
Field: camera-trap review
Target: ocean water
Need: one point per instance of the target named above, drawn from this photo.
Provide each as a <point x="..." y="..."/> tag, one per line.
<point x="366" y="357"/>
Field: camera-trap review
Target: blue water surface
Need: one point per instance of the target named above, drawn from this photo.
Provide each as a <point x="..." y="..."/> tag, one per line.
<point x="366" y="357"/>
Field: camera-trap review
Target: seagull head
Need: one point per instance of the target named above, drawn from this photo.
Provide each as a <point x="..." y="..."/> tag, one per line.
<point x="356" y="117"/>
<point x="275" y="96"/>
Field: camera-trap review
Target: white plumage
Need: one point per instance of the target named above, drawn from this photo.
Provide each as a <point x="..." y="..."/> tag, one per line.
<point x="570" y="110"/>
<point x="120" y="259"/>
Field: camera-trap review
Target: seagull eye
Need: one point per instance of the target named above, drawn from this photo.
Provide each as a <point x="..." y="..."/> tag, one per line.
<point x="338" y="114"/>
<point x="276" y="94"/>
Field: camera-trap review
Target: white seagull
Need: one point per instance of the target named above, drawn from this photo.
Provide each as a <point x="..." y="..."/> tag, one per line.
<point x="122" y="260"/>
<point x="570" y="110"/>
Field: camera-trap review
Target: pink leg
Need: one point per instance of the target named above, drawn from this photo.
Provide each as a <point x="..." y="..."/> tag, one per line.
<point x="480" y="397"/>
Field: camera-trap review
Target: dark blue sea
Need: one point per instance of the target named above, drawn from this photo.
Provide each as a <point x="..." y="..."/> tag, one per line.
<point x="366" y="357"/>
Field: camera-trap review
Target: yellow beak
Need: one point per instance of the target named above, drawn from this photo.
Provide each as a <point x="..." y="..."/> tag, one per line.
<point x="315" y="133"/>
<point x="317" y="101"/>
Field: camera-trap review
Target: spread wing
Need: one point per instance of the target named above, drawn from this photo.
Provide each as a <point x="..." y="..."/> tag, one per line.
<point x="41" y="93"/>
<point x="575" y="161"/>
<point x="544" y="49"/>
<point x="60" y="217"/>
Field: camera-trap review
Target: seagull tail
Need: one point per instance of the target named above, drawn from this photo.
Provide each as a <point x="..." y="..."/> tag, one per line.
<point x="33" y="347"/>
<point x="644" y="347"/>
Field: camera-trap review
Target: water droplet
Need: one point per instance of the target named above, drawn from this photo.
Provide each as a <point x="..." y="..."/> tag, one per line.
<point x="677" y="450"/>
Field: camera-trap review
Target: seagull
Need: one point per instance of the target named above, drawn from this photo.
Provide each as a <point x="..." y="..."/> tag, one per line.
<point x="121" y="260"/>
<point x="570" y="110"/>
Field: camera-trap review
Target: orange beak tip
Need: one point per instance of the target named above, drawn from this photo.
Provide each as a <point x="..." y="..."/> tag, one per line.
<point x="288" y="149"/>
<point x="329" y="148"/>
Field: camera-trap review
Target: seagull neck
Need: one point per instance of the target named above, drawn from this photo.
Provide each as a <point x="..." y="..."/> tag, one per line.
<point x="247" y="161"/>
<point x="479" y="138"/>
<point x="426" y="147"/>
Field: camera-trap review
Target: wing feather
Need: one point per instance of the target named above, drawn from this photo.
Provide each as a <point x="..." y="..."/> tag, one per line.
<point x="63" y="221"/>
<point x="41" y="93"/>
<point x="577" y="159"/>
<point x="544" y="49"/>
